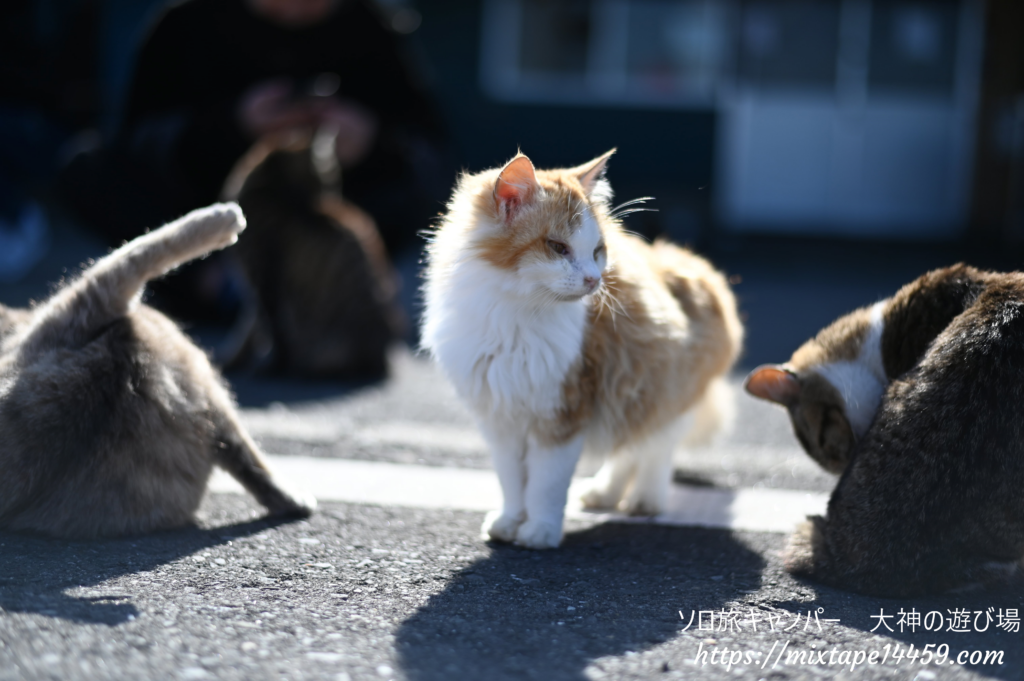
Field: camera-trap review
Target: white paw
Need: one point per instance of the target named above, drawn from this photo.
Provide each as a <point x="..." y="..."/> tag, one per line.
<point x="500" y="527"/>
<point x="596" y="496"/>
<point x="539" y="534"/>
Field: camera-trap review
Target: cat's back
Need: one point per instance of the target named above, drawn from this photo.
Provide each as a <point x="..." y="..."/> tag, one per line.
<point x="11" y="319"/>
<point x="664" y="296"/>
<point x="997" y="316"/>
<point x="942" y="467"/>
<point x="91" y="434"/>
<point x="663" y="327"/>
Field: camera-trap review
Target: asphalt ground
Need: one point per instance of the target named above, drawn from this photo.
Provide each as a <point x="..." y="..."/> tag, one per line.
<point x="362" y="591"/>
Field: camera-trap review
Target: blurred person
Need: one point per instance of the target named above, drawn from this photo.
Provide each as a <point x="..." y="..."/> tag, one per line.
<point x="215" y="76"/>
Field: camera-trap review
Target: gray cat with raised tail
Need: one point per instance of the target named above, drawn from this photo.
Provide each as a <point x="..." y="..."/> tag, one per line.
<point x="110" y="418"/>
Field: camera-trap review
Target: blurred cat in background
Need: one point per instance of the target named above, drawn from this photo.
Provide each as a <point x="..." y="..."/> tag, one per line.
<point x="325" y="293"/>
<point x="560" y="330"/>
<point x="110" y="418"/>
<point x="916" y="402"/>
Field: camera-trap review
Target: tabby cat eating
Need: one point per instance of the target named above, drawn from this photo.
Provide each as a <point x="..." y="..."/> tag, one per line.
<point x="916" y="402"/>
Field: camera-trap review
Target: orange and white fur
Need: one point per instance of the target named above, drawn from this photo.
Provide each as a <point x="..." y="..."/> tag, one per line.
<point x="561" y="331"/>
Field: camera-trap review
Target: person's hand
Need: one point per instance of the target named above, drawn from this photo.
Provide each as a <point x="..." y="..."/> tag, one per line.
<point x="356" y="130"/>
<point x="270" y="107"/>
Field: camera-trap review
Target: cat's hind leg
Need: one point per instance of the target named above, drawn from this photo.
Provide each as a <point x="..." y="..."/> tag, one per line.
<point x="637" y="478"/>
<point x="606" y="489"/>
<point x="650" y="490"/>
<point x="239" y="456"/>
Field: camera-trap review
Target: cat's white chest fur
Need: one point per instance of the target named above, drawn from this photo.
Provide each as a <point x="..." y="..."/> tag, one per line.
<point x="862" y="382"/>
<point x="503" y="351"/>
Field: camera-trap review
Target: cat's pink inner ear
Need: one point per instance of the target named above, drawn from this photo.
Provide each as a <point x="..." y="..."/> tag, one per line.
<point x="515" y="186"/>
<point x="590" y="173"/>
<point x="772" y="382"/>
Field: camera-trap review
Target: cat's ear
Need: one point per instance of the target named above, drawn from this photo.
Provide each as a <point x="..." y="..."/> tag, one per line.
<point x="589" y="173"/>
<point x="774" y="383"/>
<point x="515" y="186"/>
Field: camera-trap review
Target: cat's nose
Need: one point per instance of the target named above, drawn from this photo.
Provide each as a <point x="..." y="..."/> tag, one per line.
<point x="591" y="282"/>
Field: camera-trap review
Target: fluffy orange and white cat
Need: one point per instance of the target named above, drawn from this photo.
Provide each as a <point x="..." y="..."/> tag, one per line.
<point x="562" y="331"/>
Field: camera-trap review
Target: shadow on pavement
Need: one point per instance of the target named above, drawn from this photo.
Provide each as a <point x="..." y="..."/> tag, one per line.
<point x="37" y="571"/>
<point x="607" y="591"/>
<point x="958" y="621"/>
<point x="261" y="391"/>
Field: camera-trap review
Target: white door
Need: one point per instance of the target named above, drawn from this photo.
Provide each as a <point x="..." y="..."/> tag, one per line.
<point x="852" y="117"/>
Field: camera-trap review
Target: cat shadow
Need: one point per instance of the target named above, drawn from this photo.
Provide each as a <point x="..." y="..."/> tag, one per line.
<point x="38" y="572"/>
<point x="881" y="617"/>
<point x="608" y="590"/>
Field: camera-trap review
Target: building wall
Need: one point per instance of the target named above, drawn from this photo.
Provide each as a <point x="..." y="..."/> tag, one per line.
<point x="665" y="153"/>
<point x="679" y="151"/>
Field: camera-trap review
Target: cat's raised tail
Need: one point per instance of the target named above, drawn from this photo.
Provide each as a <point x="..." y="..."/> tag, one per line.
<point x="123" y="273"/>
<point x="107" y="290"/>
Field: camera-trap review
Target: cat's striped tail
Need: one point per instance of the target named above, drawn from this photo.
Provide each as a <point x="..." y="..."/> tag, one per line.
<point x="107" y="290"/>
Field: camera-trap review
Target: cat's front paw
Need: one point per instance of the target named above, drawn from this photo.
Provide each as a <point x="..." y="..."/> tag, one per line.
<point x="538" y="534"/>
<point x="500" y="527"/>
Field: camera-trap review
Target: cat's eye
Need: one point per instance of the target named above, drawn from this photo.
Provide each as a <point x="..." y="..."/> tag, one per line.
<point x="598" y="251"/>
<point x="558" y="247"/>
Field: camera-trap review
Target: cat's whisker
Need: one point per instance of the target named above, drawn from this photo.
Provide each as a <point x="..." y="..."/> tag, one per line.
<point x="641" y="199"/>
<point x="612" y="304"/>
<point x="580" y="208"/>
<point x="638" y="235"/>
<point x="616" y="216"/>
<point x="624" y="209"/>
<point x="617" y="210"/>
<point x="601" y="299"/>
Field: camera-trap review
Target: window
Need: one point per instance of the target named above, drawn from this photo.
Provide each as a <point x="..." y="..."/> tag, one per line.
<point x="913" y="47"/>
<point x="628" y="52"/>
<point x="789" y="43"/>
